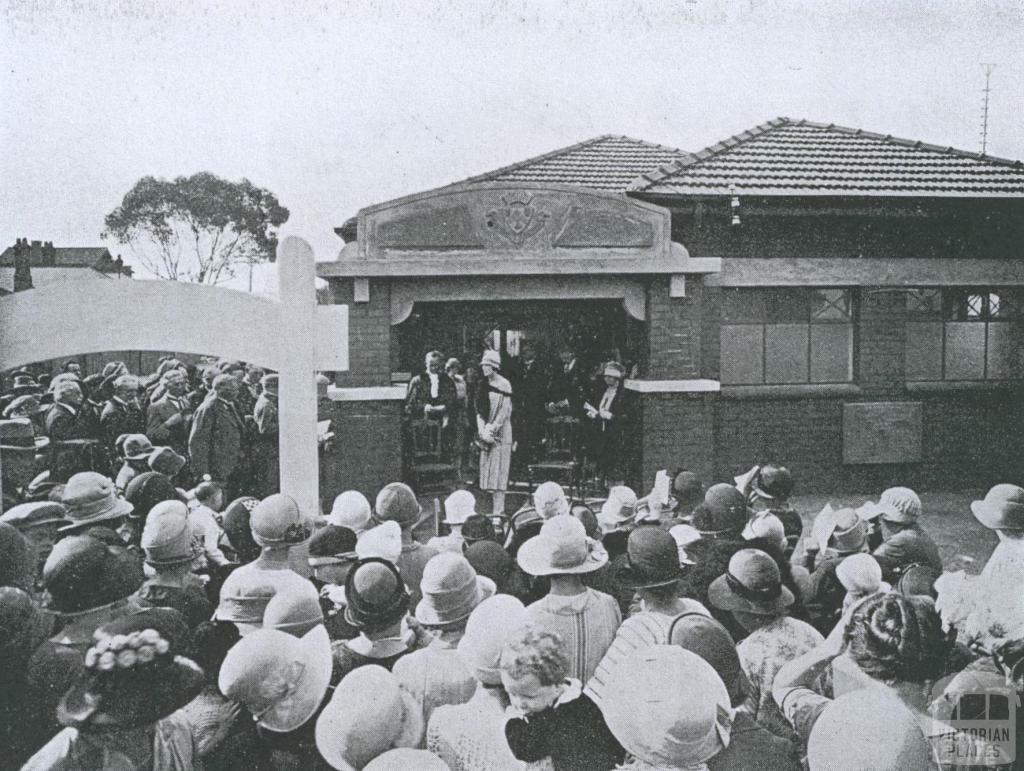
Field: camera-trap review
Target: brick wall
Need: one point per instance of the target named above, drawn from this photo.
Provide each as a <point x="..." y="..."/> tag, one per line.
<point x="369" y="330"/>
<point x="677" y="432"/>
<point x="366" y="452"/>
<point x="673" y="331"/>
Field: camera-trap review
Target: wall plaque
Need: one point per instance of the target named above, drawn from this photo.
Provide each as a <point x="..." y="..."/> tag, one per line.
<point x="882" y="432"/>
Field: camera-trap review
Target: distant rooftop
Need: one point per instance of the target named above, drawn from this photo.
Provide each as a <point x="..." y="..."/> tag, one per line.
<point x="46" y="255"/>
<point x="801" y="158"/>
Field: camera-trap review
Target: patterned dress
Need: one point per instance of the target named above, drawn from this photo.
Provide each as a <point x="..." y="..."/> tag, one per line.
<point x="496" y="458"/>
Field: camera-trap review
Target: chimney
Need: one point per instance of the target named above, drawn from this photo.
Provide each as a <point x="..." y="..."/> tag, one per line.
<point x="22" y="266"/>
<point x="49" y="254"/>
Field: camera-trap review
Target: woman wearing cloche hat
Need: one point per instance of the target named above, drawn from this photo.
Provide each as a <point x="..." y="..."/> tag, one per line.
<point x="494" y="429"/>
<point x="609" y="414"/>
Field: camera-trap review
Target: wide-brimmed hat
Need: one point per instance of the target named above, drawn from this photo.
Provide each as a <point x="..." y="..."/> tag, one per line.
<point x="491" y="358"/>
<point x="561" y="547"/>
<point x="26" y="516"/>
<point x="133" y="673"/>
<point x="18" y="434"/>
<point x="872" y="726"/>
<point x="301" y="666"/>
<point x="351" y="510"/>
<point x="24" y="384"/>
<point x="332" y="545"/>
<point x="651" y="560"/>
<point x="294" y="609"/>
<point x="375" y="594"/>
<point x="137" y="447"/>
<point x="618" y="510"/>
<point x="1002" y="508"/>
<point x="491" y="624"/>
<point x="383" y="542"/>
<point x="451" y="589"/>
<point x="167" y="536"/>
<point x="840" y="529"/>
<point x="396" y="502"/>
<point x="458" y="507"/>
<point x="614" y="369"/>
<point x="861" y="574"/>
<point x="148" y="489"/>
<point x="165" y="460"/>
<point x="278" y="521"/>
<point x="726" y="509"/>
<point x="773" y="482"/>
<point x="752" y="584"/>
<point x="897" y="504"/>
<point x="368" y="715"/>
<point x="90" y="498"/>
<point x="83" y="573"/>
<point x="710" y="640"/>
<point x="668" y="707"/>
<point x="28" y="404"/>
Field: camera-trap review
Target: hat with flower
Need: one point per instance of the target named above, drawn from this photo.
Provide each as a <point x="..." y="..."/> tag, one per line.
<point x="133" y="674"/>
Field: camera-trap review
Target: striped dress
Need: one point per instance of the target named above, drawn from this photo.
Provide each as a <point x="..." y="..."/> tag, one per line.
<point x="586" y="623"/>
<point x="637" y="632"/>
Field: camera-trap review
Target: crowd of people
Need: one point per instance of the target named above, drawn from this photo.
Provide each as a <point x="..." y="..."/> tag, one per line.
<point x="157" y="589"/>
<point x="150" y="625"/>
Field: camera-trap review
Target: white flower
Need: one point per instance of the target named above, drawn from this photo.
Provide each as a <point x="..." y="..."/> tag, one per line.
<point x="126" y="659"/>
<point x="107" y="661"/>
<point x="149" y="636"/>
<point x="91" y="657"/>
<point x="146" y="654"/>
<point x="118" y="642"/>
<point x="162" y="646"/>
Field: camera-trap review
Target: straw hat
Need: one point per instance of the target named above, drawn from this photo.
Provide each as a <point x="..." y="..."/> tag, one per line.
<point x="668" y="707"/>
<point x="458" y="507"/>
<point x="368" y="715"/>
<point x="279" y="678"/>
<point x="752" y="584"/>
<point x="137" y="447"/>
<point x="26" y="516"/>
<point x="561" y="547"/>
<point x="351" y="510"/>
<point x="897" y="504"/>
<point x="90" y="498"/>
<point x="491" y="624"/>
<point x="165" y="460"/>
<point x="451" y="589"/>
<point x="651" y="560"/>
<point x="840" y="529"/>
<point x="1002" y="508"/>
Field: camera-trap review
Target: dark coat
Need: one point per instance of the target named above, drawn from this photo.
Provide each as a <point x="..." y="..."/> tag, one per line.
<point x="216" y="445"/>
<point x="61" y="425"/>
<point x="573" y="387"/>
<point x="906" y="547"/>
<point x="611" y="442"/>
<point x="418" y="395"/>
<point x="117" y="419"/>
<point x="162" y="410"/>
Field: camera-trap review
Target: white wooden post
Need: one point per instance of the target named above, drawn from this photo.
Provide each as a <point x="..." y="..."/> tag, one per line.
<point x="297" y="379"/>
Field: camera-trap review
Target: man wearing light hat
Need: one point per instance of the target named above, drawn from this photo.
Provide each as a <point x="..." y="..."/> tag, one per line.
<point x="169" y="418"/>
<point x="904" y="541"/>
<point x="122" y="413"/>
<point x="458" y="507"/>
<point x="66" y="419"/>
<point x="610" y="417"/>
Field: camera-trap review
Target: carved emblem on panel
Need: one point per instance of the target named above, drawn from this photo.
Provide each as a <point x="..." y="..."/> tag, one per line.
<point x="520" y="220"/>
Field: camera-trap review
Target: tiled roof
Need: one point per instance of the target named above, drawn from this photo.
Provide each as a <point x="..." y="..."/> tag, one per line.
<point x="607" y="162"/>
<point x="96" y="257"/>
<point x="800" y="158"/>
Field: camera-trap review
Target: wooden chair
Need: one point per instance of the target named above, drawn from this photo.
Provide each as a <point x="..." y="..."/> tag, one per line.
<point x="561" y="461"/>
<point x="429" y="466"/>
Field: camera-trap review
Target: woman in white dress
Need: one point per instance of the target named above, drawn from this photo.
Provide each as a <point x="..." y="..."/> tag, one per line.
<point x="494" y="429"/>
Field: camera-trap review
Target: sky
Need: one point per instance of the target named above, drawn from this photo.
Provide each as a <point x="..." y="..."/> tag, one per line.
<point x="338" y="105"/>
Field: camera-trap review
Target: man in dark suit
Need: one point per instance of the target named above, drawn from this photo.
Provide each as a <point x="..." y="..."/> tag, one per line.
<point x="217" y="442"/>
<point x="570" y="387"/>
<point x="122" y="414"/>
<point x="169" y="418"/>
<point x="65" y="419"/>
<point x="610" y="414"/>
<point x="531" y="384"/>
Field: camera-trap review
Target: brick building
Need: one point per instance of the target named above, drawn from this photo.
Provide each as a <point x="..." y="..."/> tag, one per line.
<point x="45" y="264"/>
<point x="847" y="303"/>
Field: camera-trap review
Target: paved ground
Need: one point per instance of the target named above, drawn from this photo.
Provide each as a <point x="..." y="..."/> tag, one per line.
<point x="963" y="543"/>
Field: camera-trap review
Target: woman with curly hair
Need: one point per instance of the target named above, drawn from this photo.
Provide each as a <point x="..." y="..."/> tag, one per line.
<point x="889" y="639"/>
<point x="549" y="715"/>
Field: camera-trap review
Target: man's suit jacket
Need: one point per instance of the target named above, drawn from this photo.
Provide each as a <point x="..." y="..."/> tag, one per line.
<point x="61" y="425"/>
<point x="216" y="444"/>
<point x="116" y="419"/>
<point x="572" y="386"/>
<point x="162" y="410"/>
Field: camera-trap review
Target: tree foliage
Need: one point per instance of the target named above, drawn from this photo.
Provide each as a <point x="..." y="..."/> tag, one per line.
<point x="200" y="228"/>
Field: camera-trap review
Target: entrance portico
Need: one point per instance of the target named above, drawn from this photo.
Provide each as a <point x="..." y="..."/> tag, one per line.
<point x="449" y="267"/>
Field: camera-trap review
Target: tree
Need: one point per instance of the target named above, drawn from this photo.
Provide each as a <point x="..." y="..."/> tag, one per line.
<point x="200" y="228"/>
